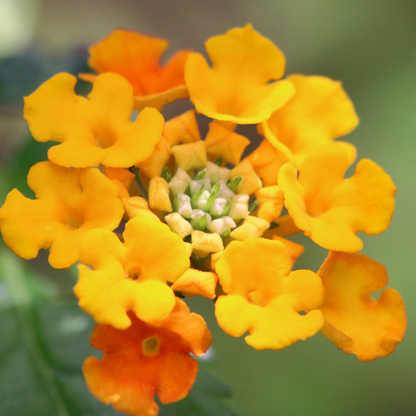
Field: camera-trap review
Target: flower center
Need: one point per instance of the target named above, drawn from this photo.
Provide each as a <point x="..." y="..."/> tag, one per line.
<point x="134" y="273"/>
<point x="150" y="346"/>
<point x="256" y="298"/>
<point x="105" y="139"/>
<point x="208" y="201"/>
<point x="73" y="222"/>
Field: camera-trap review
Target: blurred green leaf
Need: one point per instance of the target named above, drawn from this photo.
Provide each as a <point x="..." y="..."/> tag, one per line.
<point x="210" y="396"/>
<point x="44" y="339"/>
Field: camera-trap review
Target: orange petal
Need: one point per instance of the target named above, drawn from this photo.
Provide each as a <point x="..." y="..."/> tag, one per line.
<point x="145" y="360"/>
<point x="182" y="129"/>
<point x="159" y="195"/>
<point x="153" y="166"/>
<point x="122" y="178"/>
<point x="223" y="142"/>
<point x="250" y="182"/>
<point x="294" y="249"/>
<point x="137" y="58"/>
<point x="270" y="202"/>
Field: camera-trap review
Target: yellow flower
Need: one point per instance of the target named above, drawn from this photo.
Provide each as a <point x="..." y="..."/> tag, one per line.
<point x="264" y="297"/>
<point x="270" y="202"/>
<point x="238" y="87"/>
<point x="94" y="130"/>
<point x="183" y="128"/>
<point x="137" y="58"/>
<point x="122" y="178"/>
<point x="266" y="161"/>
<point x="153" y="166"/>
<point x="136" y="206"/>
<point x="330" y="209"/>
<point x="145" y="360"/>
<point x="355" y="322"/>
<point x="221" y="142"/>
<point x="132" y="274"/>
<point x="250" y="182"/>
<point x="319" y="112"/>
<point x="69" y="203"/>
<point x="196" y="282"/>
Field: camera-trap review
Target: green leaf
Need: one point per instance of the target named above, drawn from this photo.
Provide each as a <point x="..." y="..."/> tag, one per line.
<point x="44" y="340"/>
<point x="210" y="396"/>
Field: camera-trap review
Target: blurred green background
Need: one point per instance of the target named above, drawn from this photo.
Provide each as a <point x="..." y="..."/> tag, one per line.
<point x="370" y="45"/>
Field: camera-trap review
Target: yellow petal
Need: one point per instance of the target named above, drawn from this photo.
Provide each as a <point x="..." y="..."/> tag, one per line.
<point x="195" y="282"/>
<point x="252" y="227"/>
<point x="94" y="130"/>
<point x="182" y="129"/>
<point x="205" y="243"/>
<point x="270" y="203"/>
<point x="190" y="156"/>
<point x="153" y="166"/>
<point x="250" y="182"/>
<point x="136" y="206"/>
<point x="223" y="142"/>
<point x="159" y="195"/>
<point x="69" y="203"/>
<point x="132" y="274"/>
<point x="374" y="327"/>
<point x="294" y="249"/>
<point x="319" y="112"/>
<point x="238" y="87"/>
<point x="330" y="209"/>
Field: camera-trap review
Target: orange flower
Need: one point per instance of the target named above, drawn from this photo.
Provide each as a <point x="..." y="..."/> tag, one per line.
<point x="264" y="297"/>
<point x="221" y="142"/>
<point x="145" y="360"/>
<point x="69" y="203"/>
<point x="266" y="161"/>
<point x="94" y="130"/>
<point x="137" y="58"/>
<point x="330" y="209"/>
<point x="238" y="87"/>
<point x="355" y="322"/>
<point x="319" y="112"/>
<point x="132" y="274"/>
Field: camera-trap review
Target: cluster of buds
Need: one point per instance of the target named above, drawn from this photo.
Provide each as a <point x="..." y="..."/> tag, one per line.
<point x="202" y="216"/>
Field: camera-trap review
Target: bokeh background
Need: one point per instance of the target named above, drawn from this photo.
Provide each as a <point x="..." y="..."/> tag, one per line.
<point x="370" y="45"/>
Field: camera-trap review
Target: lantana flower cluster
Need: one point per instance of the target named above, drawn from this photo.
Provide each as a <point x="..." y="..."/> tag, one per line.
<point x="155" y="213"/>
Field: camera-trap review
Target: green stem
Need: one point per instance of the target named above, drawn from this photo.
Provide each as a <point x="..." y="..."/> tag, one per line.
<point x="139" y="182"/>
